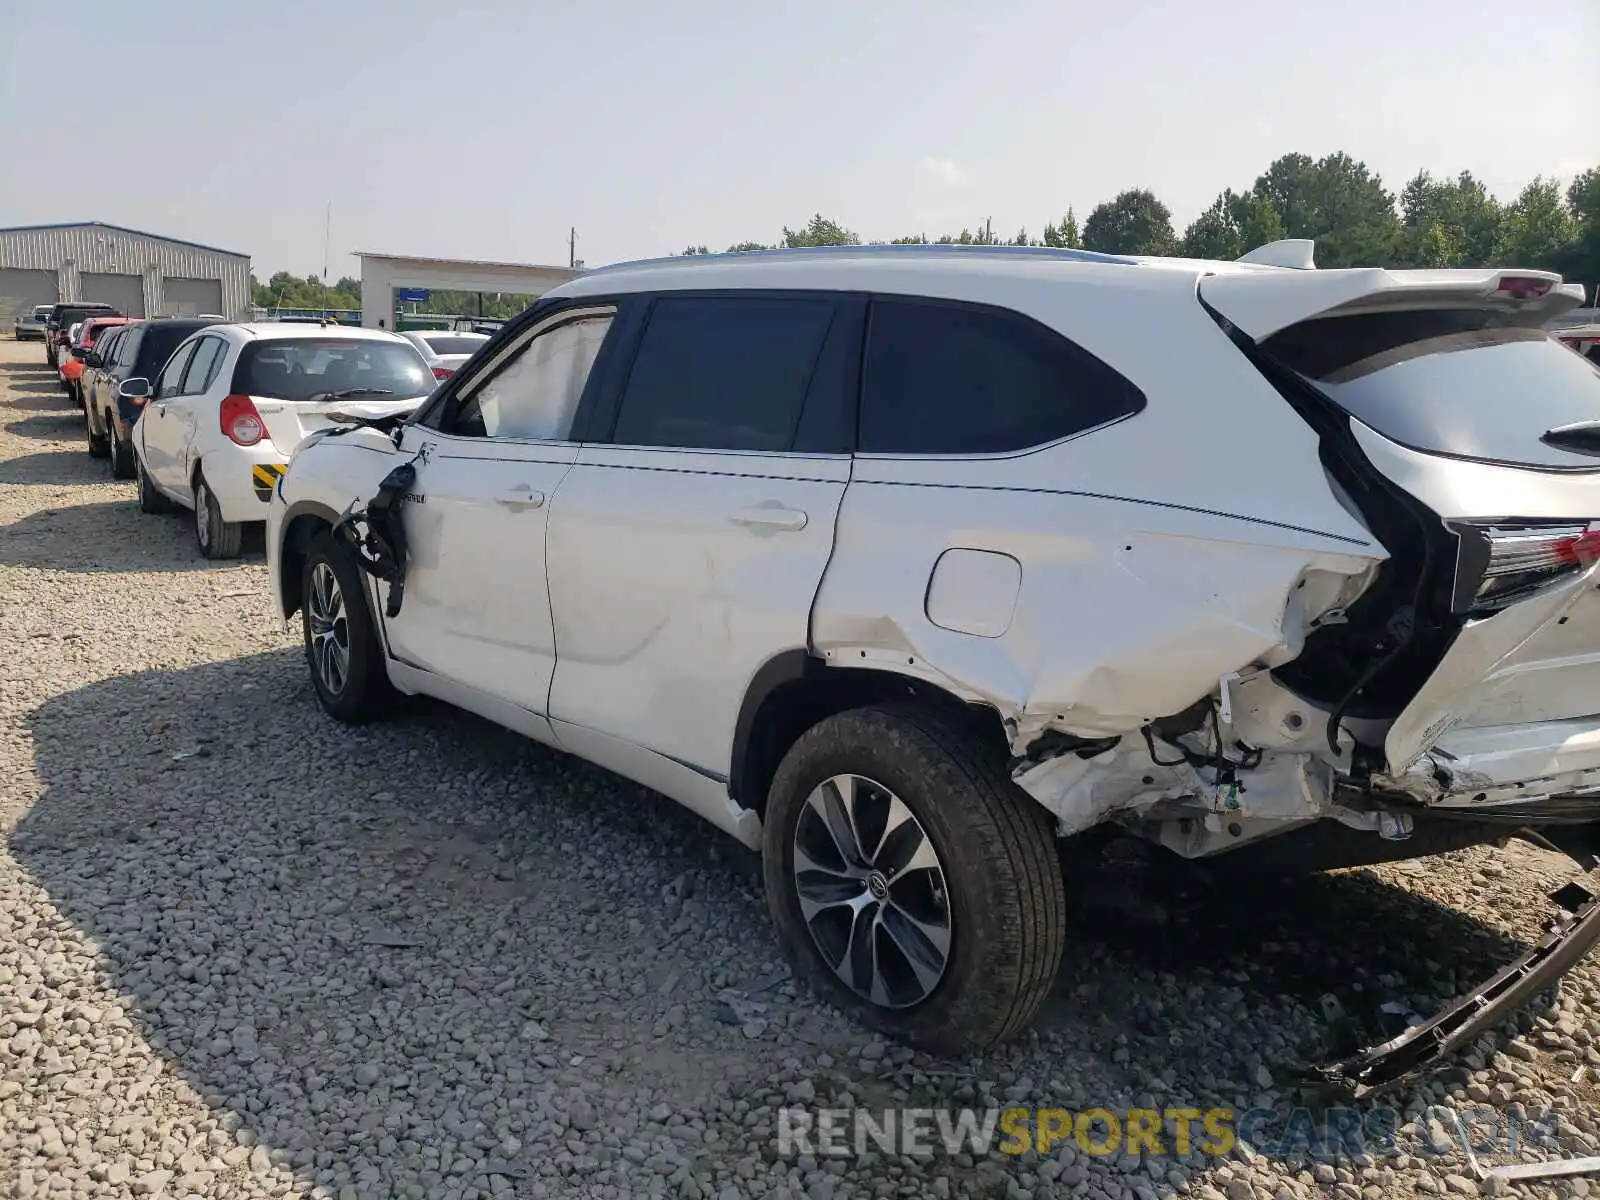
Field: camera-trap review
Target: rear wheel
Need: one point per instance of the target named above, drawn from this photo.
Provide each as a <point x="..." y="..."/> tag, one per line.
<point x="342" y="648"/>
<point x="910" y="881"/>
<point x="98" y="443"/>
<point x="151" y="499"/>
<point x="122" y="464"/>
<point x="215" y="537"/>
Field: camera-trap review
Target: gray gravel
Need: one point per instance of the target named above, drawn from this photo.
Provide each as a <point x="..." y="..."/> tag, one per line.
<point x="247" y="952"/>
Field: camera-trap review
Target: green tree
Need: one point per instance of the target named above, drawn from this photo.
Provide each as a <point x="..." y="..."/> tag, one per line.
<point x="1467" y="216"/>
<point x="820" y="231"/>
<point x="1134" y="223"/>
<point x="1582" y="260"/>
<point x="1538" y="230"/>
<point x="1235" y="224"/>
<point x="1065" y="235"/>
<point x="742" y="247"/>
<point x="695" y="250"/>
<point x="916" y="239"/>
<point x="1336" y="201"/>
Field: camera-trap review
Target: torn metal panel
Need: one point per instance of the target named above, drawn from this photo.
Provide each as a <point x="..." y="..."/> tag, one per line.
<point x="1382" y="1068"/>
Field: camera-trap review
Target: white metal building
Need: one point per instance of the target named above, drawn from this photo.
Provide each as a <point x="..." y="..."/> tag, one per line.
<point x="382" y="274"/>
<point x="142" y="274"/>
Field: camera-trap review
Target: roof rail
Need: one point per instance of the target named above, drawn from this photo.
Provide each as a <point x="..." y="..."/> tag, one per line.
<point x="1285" y="252"/>
<point x="881" y="249"/>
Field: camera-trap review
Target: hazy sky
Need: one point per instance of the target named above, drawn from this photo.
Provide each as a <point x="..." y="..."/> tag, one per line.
<point x="484" y="130"/>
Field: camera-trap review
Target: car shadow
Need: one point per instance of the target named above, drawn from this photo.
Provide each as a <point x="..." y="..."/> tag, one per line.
<point x="107" y="536"/>
<point x="41" y="387"/>
<point x="53" y="467"/>
<point x="314" y="923"/>
<point x="27" y="368"/>
<point x="49" y="427"/>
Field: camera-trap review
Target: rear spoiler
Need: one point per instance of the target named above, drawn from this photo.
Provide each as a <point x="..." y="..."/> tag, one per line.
<point x="1262" y="302"/>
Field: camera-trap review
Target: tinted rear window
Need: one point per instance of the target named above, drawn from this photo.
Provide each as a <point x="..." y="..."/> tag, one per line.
<point x="1461" y="383"/>
<point x="450" y="344"/>
<point x="304" y="368"/>
<point x="958" y="379"/>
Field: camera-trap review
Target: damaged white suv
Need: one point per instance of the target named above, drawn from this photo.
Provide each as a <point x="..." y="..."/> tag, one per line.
<point x="903" y="563"/>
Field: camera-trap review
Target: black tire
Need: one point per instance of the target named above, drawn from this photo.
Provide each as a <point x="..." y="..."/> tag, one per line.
<point x="151" y="500"/>
<point x="99" y="446"/>
<point x="215" y="537"/>
<point x="120" y="452"/>
<point x="1007" y="910"/>
<point x="365" y="692"/>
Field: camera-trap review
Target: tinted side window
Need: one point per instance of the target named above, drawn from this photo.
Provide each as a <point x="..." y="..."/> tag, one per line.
<point x="128" y="348"/>
<point x="722" y="372"/>
<point x="203" y="366"/>
<point x="958" y="379"/>
<point x="172" y="373"/>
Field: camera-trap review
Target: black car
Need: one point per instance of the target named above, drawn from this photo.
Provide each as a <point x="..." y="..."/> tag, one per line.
<point x="136" y="351"/>
<point x="63" y="317"/>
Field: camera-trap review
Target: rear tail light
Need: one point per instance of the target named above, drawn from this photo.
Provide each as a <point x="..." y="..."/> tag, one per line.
<point x="240" y="420"/>
<point x="1521" y="287"/>
<point x="1501" y="564"/>
<point x="443" y="372"/>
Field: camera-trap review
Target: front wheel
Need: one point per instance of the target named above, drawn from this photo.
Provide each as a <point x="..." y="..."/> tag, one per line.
<point x="215" y="537"/>
<point x="910" y="880"/>
<point x="342" y="648"/>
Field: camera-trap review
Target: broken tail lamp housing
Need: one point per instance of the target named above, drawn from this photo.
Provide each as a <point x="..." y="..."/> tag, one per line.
<point x="1502" y="563"/>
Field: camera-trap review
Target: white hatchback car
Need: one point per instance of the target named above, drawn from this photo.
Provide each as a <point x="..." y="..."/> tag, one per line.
<point x="233" y="401"/>
<point x="901" y="563"/>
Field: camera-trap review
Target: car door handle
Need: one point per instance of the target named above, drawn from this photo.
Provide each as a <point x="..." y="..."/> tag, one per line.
<point x="519" y="498"/>
<point x="769" y="516"/>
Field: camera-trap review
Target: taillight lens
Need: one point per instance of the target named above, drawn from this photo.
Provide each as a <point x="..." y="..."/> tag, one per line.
<point x="1500" y="564"/>
<point x="240" y="420"/>
<point x="443" y="372"/>
<point x="1520" y="287"/>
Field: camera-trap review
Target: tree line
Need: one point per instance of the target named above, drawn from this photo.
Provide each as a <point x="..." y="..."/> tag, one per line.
<point x="1338" y="201"/>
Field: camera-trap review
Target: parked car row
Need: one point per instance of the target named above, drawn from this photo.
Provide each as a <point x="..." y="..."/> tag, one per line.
<point x="205" y="414"/>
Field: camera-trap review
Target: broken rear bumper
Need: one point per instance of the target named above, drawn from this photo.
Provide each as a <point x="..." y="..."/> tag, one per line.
<point x="1384" y="1067"/>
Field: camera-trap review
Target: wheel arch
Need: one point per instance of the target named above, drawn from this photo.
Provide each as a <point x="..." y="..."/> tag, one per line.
<point x="795" y="689"/>
<point x="301" y="524"/>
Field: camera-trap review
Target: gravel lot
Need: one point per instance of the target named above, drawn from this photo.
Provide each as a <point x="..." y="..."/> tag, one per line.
<point x="580" y="994"/>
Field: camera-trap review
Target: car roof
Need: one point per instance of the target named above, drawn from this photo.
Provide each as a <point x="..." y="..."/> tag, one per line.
<point x="270" y="330"/>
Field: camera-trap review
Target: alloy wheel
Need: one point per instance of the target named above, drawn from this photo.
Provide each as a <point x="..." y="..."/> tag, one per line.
<point x="330" y="629"/>
<point x="202" y="515"/>
<point x="872" y="891"/>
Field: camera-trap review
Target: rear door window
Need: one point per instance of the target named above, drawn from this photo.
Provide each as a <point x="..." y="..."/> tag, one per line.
<point x="452" y="343"/>
<point x="943" y="378"/>
<point x="1462" y="383"/>
<point x="208" y="354"/>
<point x="723" y="372"/>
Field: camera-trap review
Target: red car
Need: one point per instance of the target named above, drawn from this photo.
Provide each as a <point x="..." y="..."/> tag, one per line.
<point x="72" y="364"/>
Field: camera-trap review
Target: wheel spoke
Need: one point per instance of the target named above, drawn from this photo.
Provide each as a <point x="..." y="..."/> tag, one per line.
<point x="924" y="946"/>
<point x="832" y="802"/>
<point x="901" y="836"/>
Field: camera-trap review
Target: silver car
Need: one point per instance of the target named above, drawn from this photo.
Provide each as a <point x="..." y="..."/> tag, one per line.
<point x="30" y="324"/>
<point x="444" y="351"/>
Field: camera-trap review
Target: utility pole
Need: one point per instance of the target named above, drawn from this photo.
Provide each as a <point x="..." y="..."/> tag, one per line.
<point x="327" y="227"/>
<point x="572" y="247"/>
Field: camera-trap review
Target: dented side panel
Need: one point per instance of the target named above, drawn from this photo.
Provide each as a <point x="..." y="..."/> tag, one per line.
<point x="1125" y="612"/>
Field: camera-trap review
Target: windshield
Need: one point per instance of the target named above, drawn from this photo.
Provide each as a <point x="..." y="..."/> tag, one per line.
<point x="1450" y="382"/>
<point x="41" y="312"/>
<point x="313" y="368"/>
<point x="452" y="343"/>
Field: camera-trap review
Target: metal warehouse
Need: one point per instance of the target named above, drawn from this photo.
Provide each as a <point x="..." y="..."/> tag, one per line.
<point x="141" y="274"/>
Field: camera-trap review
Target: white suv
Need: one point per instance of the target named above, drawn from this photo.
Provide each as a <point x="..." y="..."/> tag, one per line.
<point x="233" y="401"/>
<point x="903" y="563"/>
